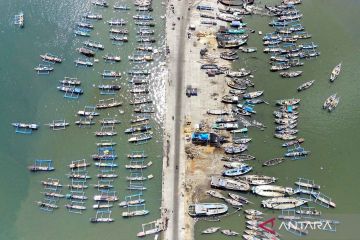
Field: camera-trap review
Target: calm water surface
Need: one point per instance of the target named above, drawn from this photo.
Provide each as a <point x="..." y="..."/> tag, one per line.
<point x="332" y="138"/>
<point x="27" y="97"/>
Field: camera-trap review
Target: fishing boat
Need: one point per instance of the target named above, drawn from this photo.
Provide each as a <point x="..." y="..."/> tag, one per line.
<point x="234" y="165"/>
<point x="229" y="184"/>
<point x="235" y="149"/>
<point x="105" y="133"/>
<point x="77" y="197"/>
<point x="47" y="205"/>
<point x="282" y="203"/>
<point x="31" y="126"/>
<point x="35" y="168"/>
<point x="93" y="44"/>
<point x="229" y="232"/>
<point x="119" y="30"/>
<point x="307" y="185"/>
<point x="248" y="49"/>
<point x="143" y="128"/>
<point x="308" y="212"/>
<point x="109" y="87"/>
<point x="54" y="194"/>
<point x="73" y="206"/>
<point x="251" y="95"/>
<point x="217" y="112"/>
<point x="86" y="52"/>
<point x="43" y="69"/>
<point x="225" y="126"/>
<point x="19" y="19"/>
<point x="109" y="121"/>
<point x="305" y="85"/>
<point x="331" y="102"/>
<point x="112" y="58"/>
<point x="207" y="209"/>
<point x="258" y="179"/>
<point x="293" y="142"/>
<point x="84" y="122"/>
<point x="100" y="205"/>
<point x="323" y="199"/>
<point x="290" y="74"/>
<point x="70" y="89"/>
<point x="78" y="176"/>
<point x="135" y="213"/>
<point x="288" y="102"/>
<point x="110" y="74"/>
<point x="131" y="202"/>
<point x="103" y="186"/>
<point x="81" y="32"/>
<point x="285" y="136"/>
<point x="101" y="220"/>
<point x="238" y="74"/>
<point x="48" y="57"/>
<point x="77" y="186"/>
<point x="52" y="183"/>
<point x="138" y="166"/>
<point x="140" y="138"/>
<point x="106" y="164"/>
<point x="100" y="3"/>
<point x="83" y="62"/>
<point x="119" y="38"/>
<point x="107" y="175"/>
<point x="335" y="72"/>
<point x="104" y="105"/>
<point x="116" y="22"/>
<point x="79" y="165"/>
<point x="85" y="25"/>
<point x="238" y="158"/>
<point x="233" y="202"/>
<point x="241" y="140"/>
<point x="237" y="171"/>
<point x="272" y="191"/>
<point x="297" y="153"/>
<point x="70" y="81"/>
<point x="215" y="194"/>
<point x="239" y="198"/>
<point x="273" y="162"/>
<point x="86" y="114"/>
<point x="105" y="198"/>
<point x="210" y="230"/>
<point x="253" y="212"/>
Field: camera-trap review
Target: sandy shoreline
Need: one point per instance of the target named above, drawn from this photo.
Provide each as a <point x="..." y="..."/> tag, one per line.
<point x="184" y="69"/>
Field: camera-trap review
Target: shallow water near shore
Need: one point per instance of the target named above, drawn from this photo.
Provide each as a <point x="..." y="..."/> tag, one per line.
<point x="331" y="138"/>
<point x="27" y="97"/>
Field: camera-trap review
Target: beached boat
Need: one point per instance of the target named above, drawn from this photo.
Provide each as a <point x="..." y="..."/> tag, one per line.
<point x="241" y="140"/>
<point x="210" y="230"/>
<point x="207" y="209"/>
<point x="233" y="202"/>
<point x="305" y="85"/>
<point x="282" y="203"/>
<point x="217" y="112"/>
<point x="234" y="165"/>
<point x="239" y="198"/>
<point x="215" y="194"/>
<point x="258" y="179"/>
<point x="229" y="184"/>
<point x="335" y="72"/>
<point x="272" y="191"/>
<point x="238" y="158"/>
<point x="273" y="162"/>
<point x="237" y="171"/>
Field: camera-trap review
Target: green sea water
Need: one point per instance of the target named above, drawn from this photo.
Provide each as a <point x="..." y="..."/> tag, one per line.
<point x="27" y="97"/>
<point x="332" y="138"/>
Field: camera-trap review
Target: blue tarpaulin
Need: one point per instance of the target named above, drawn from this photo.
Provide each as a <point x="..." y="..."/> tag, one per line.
<point x="200" y="137"/>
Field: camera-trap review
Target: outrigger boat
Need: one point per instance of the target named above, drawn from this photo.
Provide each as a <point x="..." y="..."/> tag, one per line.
<point x="93" y="16"/>
<point x="50" y="58"/>
<point x="293" y="142"/>
<point x="93" y="44"/>
<point x="103" y="105"/>
<point x="67" y="89"/>
<point x="109" y="121"/>
<point x="335" y="72"/>
<point x="111" y="74"/>
<point x="86" y="114"/>
<point x="117" y="22"/>
<point x="56" y="125"/>
<point x="31" y="126"/>
<point x="73" y="206"/>
<point x="101" y="220"/>
<point x="86" y="52"/>
<point x="52" y="183"/>
<point x="272" y="191"/>
<point x="85" y="25"/>
<point x="85" y="63"/>
<point x="230" y="184"/>
<point x="100" y="205"/>
<point x="47" y="205"/>
<point x="100" y="3"/>
<point x="283" y="203"/>
<point x="43" y="69"/>
<point x="70" y="81"/>
<point x="81" y="32"/>
<point x="35" y="168"/>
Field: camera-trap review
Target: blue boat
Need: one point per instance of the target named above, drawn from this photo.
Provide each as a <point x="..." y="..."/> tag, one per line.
<point x="81" y="32"/>
<point x="67" y="89"/>
<point x="237" y="171"/>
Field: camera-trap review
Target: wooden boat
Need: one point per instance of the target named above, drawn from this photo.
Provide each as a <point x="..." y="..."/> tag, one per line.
<point x="288" y="102"/>
<point x="54" y="194"/>
<point x="272" y="191"/>
<point x="47" y="205"/>
<point x="119" y="38"/>
<point x="109" y="121"/>
<point x="217" y="112"/>
<point x="105" y="198"/>
<point x="225" y="183"/>
<point x="116" y="22"/>
<point x="235" y="149"/>
<point x="70" y="89"/>
<point x="77" y="197"/>
<point x="331" y="102"/>
<point x="258" y="179"/>
<point x="105" y="133"/>
<point x="85" y="25"/>
<point x="86" y="114"/>
<point x="285" y="121"/>
<point x="241" y="140"/>
<point x="100" y="205"/>
<point x="119" y="30"/>
<point x="253" y="212"/>
<point x="238" y="158"/>
<point x="135" y="213"/>
<point x="140" y="138"/>
<point x="52" y="183"/>
<point x="107" y="175"/>
<point x="322" y="199"/>
<point x="207" y="209"/>
<point x="335" y="72"/>
<point x="109" y="87"/>
<point x="78" y="176"/>
<point x="210" y="230"/>
<point x="85" y="63"/>
<point x="79" y="165"/>
<point x="77" y="186"/>
<point x="73" y="206"/>
<point x="229" y="232"/>
<point x="100" y="3"/>
<point x="93" y="44"/>
<point x="309" y="212"/>
<point x="131" y="202"/>
<point x="34" y="168"/>
<point x="239" y="198"/>
<point x="285" y="136"/>
<point x="248" y="49"/>
<point x="106" y="164"/>
<point x="110" y="74"/>
<point x="293" y="142"/>
<point x="297" y="153"/>
<point x="251" y="95"/>
<point x="305" y="85"/>
<point x="253" y="217"/>
<point x="307" y="185"/>
<point x="233" y="202"/>
<point x="84" y="122"/>
<point x="81" y="32"/>
<point x="31" y="126"/>
<point x="273" y="162"/>
<point x="233" y="172"/>
<point x="50" y="58"/>
<point x="112" y="58"/>
<point x="85" y="51"/>
<point x="103" y="105"/>
<point x="119" y="6"/>
<point x="101" y="220"/>
<point x="43" y="69"/>
<point x="241" y="73"/>
<point x="70" y="81"/>
<point x="138" y="166"/>
<point x="137" y="155"/>
<point x="291" y="74"/>
<point x="282" y="203"/>
<point x="215" y="194"/>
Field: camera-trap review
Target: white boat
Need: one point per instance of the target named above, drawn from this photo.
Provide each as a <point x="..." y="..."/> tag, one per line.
<point x="272" y="191"/>
<point x="207" y="209"/>
<point x="335" y="72"/>
<point x="230" y="184"/>
<point x="258" y="179"/>
<point x="281" y="203"/>
<point x="215" y="194"/>
<point x="210" y="230"/>
<point x="253" y="212"/>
